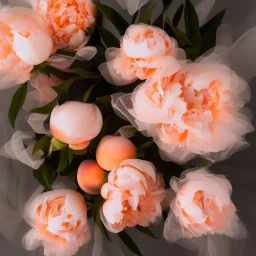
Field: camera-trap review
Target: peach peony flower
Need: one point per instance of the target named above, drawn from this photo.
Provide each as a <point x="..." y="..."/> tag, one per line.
<point x="185" y="112"/>
<point x="144" y="50"/>
<point x="25" y="42"/>
<point x="59" y="222"/>
<point x="202" y="206"/>
<point x="133" y="196"/>
<point x="67" y="19"/>
<point x="76" y="123"/>
<point x="113" y="150"/>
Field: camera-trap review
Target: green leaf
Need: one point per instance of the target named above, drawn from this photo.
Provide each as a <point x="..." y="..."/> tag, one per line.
<point x="177" y="16"/>
<point x="145" y="17"/>
<point x="18" y="100"/>
<point x="212" y="24"/>
<point x="102" y="227"/>
<point x="64" y="158"/>
<point x="203" y="164"/>
<point x="70" y="156"/>
<point x="43" y="144"/>
<point x="39" y="67"/>
<point x="45" y="176"/>
<point x="80" y="152"/>
<point x="166" y="5"/>
<point x="129" y="243"/>
<point x="142" y="149"/>
<point x="180" y="35"/>
<point x="85" y="73"/>
<point x="192" y="23"/>
<point x="47" y="109"/>
<point x="114" y="17"/>
<point x="105" y="100"/>
<point x="56" y="145"/>
<point x="192" y="53"/>
<point x="146" y="231"/>
<point x="88" y="94"/>
<point x="64" y="87"/>
<point x="108" y="38"/>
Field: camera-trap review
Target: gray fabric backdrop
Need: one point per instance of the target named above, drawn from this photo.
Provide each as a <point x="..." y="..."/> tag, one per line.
<point x="240" y="169"/>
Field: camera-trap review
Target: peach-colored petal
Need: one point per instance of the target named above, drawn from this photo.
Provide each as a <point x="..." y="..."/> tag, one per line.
<point x="25" y="41"/>
<point x="133" y="196"/>
<point x="144" y="51"/>
<point x="80" y="146"/>
<point x="68" y="20"/>
<point x="202" y="206"/>
<point x="59" y="222"/>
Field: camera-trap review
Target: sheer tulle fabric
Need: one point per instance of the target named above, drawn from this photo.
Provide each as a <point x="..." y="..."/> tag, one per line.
<point x="20" y="147"/>
<point x="132" y="6"/>
<point x="155" y="109"/>
<point x="200" y="210"/>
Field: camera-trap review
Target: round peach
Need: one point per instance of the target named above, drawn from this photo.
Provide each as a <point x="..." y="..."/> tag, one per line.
<point x="91" y="177"/>
<point x="112" y="150"/>
<point x="76" y="123"/>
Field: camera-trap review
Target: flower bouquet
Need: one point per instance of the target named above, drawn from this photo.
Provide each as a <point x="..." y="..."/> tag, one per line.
<point x="122" y="118"/>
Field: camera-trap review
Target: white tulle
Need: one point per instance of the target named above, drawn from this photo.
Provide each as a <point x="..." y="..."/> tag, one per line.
<point x="127" y="131"/>
<point x="37" y="123"/>
<point x="203" y="9"/>
<point x="63" y="62"/>
<point x="132" y="5"/>
<point x="20" y="148"/>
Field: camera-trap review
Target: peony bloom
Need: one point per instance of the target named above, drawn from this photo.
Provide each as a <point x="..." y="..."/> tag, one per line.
<point x="144" y="50"/>
<point x="25" y="42"/>
<point x="113" y="150"/>
<point x="202" y="206"/>
<point x="133" y="196"/>
<point x="67" y="19"/>
<point x="76" y="123"/>
<point x="59" y="222"/>
<point x="91" y="177"/>
<point x="44" y="84"/>
<point x="185" y="112"/>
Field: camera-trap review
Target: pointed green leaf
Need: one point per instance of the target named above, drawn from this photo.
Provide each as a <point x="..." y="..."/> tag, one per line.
<point x="212" y="24"/>
<point x="64" y="158"/>
<point x="85" y="73"/>
<point x="70" y="156"/>
<point x="177" y="16"/>
<point x="56" y="145"/>
<point x="104" y="100"/>
<point x="145" y="17"/>
<point x="180" y="35"/>
<point x="47" y="109"/>
<point x="43" y="144"/>
<point x="102" y="227"/>
<point x="192" y="23"/>
<point x="166" y="5"/>
<point x="141" y="150"/>
<point x="45" y="176"/>
<point x="108" y="38"/>
<point x="129" y="243"/>
<point x="146" y="231"/>
<point x="64" y="86"/>
<point x="39" y="67"/>
<point x="192" y="53"/>
<point x="18" y="100"/>
<point x="80" y="152"/>
<point x="203" y="164"/>
<point x="114" y="17"/>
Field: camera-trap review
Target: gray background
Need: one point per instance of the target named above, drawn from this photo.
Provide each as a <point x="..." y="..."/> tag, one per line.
<point x="239" y="169"/>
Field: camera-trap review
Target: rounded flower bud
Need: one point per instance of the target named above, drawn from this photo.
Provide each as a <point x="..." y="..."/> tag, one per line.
<point x="76" y="123"/>
<point x="112" y="150"/>
<point x="90" y="177"/>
